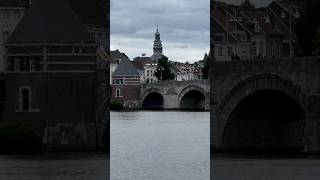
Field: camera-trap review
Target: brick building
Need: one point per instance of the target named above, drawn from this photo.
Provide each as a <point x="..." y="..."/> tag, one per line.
<point x="126" y="84"/>
<point x="57" y="74"/>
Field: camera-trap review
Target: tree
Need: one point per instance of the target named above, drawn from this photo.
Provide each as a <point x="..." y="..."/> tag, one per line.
<point x="163" y="70"/>
<point x="307" y="28"/>
<point x="316" y="43"/>
<point x="247" y="4"/>
<point x="206" y="67"/>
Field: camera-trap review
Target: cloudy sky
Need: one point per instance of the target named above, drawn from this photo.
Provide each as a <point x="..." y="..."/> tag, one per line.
<point x="183" y="24"/>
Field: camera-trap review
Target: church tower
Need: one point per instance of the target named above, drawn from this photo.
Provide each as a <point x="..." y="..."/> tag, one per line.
<point x="157" y="46"/>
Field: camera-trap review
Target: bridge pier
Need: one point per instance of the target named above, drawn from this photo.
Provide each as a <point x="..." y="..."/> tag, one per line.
<point x="170" y="102"/>
<point x="313" y="123"/>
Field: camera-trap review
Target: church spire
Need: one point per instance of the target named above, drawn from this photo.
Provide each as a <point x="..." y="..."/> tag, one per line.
<point x="157" y="46"/>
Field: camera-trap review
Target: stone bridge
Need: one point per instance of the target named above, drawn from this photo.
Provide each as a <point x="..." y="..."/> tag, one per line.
<point x="187" y="95"/>
<point x="266" y="105"/>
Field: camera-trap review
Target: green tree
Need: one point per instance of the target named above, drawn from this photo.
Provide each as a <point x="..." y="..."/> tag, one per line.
<point x="247" y="4"/>
<point x="164" y="69"/>
<point x="307" y="28"/>
<point x="206" y="67"/>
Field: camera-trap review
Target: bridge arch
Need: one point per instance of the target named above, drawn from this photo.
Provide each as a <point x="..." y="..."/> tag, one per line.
<point x="263" y="112"/>
<point x="152" y="99"/>
<point x="192" y="98"/>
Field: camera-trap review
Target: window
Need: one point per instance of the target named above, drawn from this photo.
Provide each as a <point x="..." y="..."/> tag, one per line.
<point x="147" y="72"/>
<point x="220" y="51"/>
<point x="35" y="63"/>
<point x="278" y="50"/>
<point x="76" y="50"/>
<point x="243" y="36"/>
<point x="118" y="92"/>
<point x="254" y="48"/>
<point x="25" y="99"/>
<point x="270" y="50"/>
<point x="6" y="15"/>
<point x="5" y="35"/>
<point x="100" y="38"/>
<point x="17" y="15"/>
<point x="24" y="63"/>
<point x="230" y="50"/>
<point x="261" y="48"/>
<point x="119" y="81"/>
<point x="11" y="64"/>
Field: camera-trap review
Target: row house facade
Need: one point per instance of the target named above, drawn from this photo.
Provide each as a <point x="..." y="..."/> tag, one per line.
<point x="186" y="71"/>
<point x="146" y="67"/>
<point x="242" y="33"/>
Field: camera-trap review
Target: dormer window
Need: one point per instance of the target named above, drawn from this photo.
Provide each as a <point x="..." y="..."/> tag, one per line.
<point x="268" y="20"/>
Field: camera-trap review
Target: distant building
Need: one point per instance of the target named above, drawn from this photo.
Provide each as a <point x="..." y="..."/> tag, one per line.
<point x="157" y="46"/>
<point x="116" y="57"/>
<point x="186" y="71"/>
<point x="11" y="12"/>
<point x="245" y="33"/>
<point x="126" y="84"/>
<point x="146" y="67"/>
<point x="57" y="77"/>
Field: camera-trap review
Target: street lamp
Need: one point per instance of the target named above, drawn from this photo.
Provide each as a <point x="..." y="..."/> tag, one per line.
<point x="284" y="16"/>
<point x="161" y="69"/>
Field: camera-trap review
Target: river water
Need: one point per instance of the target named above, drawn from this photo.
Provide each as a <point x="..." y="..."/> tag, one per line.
<point x="156" y="145"/>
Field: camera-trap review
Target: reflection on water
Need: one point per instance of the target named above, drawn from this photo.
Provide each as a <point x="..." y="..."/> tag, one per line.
<point x="265" y="168"/>
<point x="156" y="145"/>
<point x="54" y="166"/>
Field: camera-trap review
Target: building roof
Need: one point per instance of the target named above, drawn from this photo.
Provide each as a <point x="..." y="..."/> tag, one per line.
<point x="90" y="12"/>
<point x="140" y="62"/>
<point x="139" y="66"/>
<point x="50" y="21"/>
<point x="125" y="68"/>
<point x="115" y="55"/>
<point x="11" y="3"/>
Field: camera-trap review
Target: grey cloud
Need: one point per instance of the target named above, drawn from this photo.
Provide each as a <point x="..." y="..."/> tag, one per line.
<point x="184" y="26"/>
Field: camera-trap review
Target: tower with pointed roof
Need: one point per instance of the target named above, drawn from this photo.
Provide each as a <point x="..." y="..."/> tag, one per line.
<point x="157" y="46"/>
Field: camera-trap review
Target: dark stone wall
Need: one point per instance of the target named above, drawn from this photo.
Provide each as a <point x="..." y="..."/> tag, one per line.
<point x="37" y="119"/>
<point x="130" y="95"/>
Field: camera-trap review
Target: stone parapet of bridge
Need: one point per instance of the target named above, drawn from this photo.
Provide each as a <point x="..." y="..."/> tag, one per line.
<point x="173" y="95"/>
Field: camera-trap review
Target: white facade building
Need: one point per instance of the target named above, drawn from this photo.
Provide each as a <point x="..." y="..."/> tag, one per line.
<point x="146" y="68"/>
